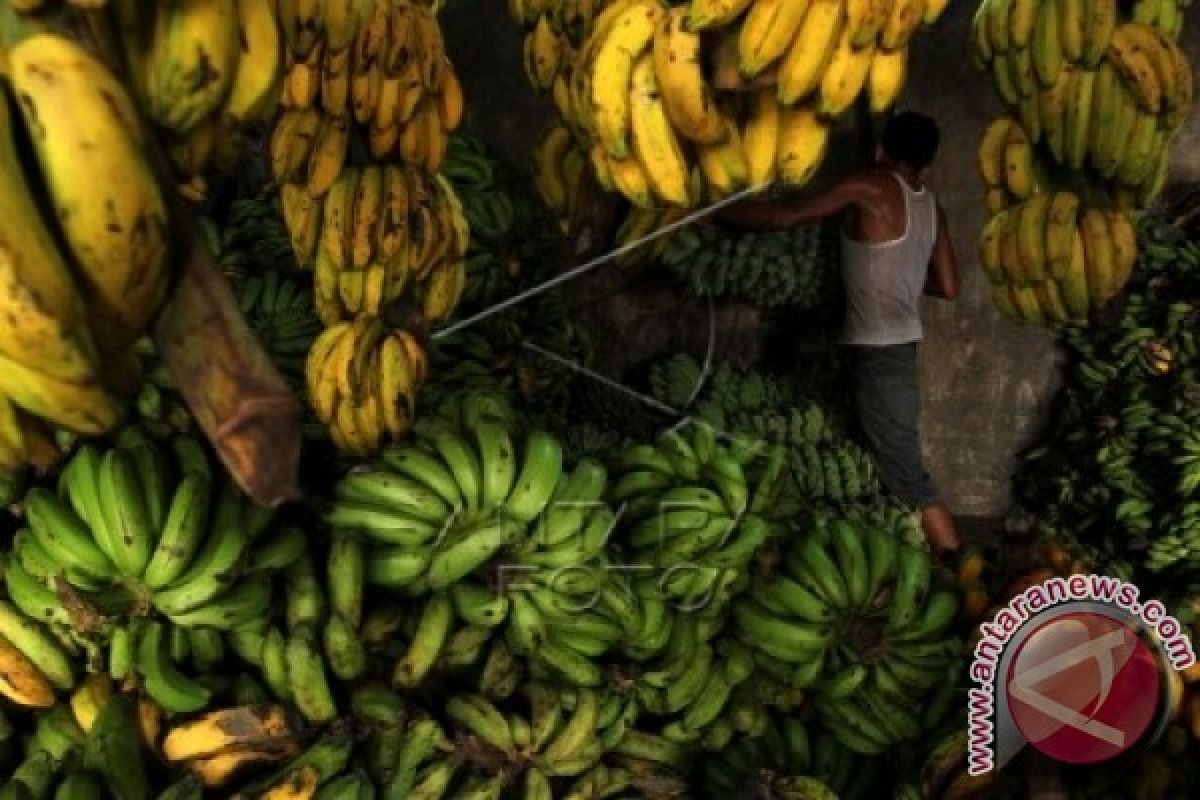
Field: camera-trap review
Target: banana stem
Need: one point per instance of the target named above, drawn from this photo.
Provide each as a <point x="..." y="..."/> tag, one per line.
<point x="227" y="380"/>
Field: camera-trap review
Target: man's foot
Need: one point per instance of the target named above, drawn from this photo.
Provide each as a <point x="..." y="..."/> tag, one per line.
<point x="940" y="531"/>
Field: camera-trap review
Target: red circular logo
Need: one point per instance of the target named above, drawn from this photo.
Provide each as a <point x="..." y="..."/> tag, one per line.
<point x="1083" y="688"/>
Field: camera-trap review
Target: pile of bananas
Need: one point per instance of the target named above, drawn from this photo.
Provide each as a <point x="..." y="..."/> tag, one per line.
<point x="377" y="230"/>
<point x="632" y="79"/>
<point x="855" y="614"/>
<point x="362" y="379"/>
<point x="1097" y="91"/>
<point x="1050" y="262"/>
<point x="139" y="561"/>
<point x="1121" y="472"/>
<point x="791" y="269"/>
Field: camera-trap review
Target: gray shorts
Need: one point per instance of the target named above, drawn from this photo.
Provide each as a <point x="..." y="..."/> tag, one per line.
<point x="888" y="398"/>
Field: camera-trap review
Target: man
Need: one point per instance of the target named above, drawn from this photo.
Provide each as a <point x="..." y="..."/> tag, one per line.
<point x="895" y="247"/>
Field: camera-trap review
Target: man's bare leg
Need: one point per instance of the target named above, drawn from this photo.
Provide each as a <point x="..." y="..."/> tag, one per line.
<point x="940" y="531"/>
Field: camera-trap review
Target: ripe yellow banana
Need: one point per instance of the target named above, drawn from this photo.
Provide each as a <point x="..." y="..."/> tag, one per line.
<point x="1125" y="248"/>
<point x="992" y="149"/>
<point x="90" y="145"/>
<point x="723" y="165"/>
<point x="654" y="141"/>
<point x="990" y="250"/>
<point x="767" y="31"/>
<point x="368" y="205"/>
<point x="340" y="20"/>
<point x="902" y="23"/>
<point x="689" y="102"/>
<point x="189" y="60"/>
<point x="845" y="76"/>
<point x="631" y="34"/>
<point x="1022" y="17"/>
<point x="1062" y="222"/>
<point x="1052" y="112"/>
<point x="703" y="14"/>
<point x="811" y="52"/>
<point x="1101" y="257"/>
<point x="1051" y="303"/>
<point x="335" y="82"/>
<point x="1047" y="45"/>
<point x="443" y="291"/>
<point x="329" y="154"/>
<point x="885" y="82"/>
<point x="1072" y="19"/>
<point x="1079" y="118"/>
<point x="548" y="166"/>
<point x="545" y="53"/>
<point x="1019" y="174"/>
<point x="1134" y="64"/>
<point x="761" y="137"/>
<point x="229" y="729"/>
<point x="257" y="81"/>
<point x="302" y="215"/>
<point x="803" y="139"/>
<point x="47" y="327"/>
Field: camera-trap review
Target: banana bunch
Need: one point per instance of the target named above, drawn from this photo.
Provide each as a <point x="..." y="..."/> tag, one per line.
<point x="699" y="509"/>
<point x="766" y="269"/>
<point x="1104" y="86"/>
<point x="362" y="379"/>
<point x="1051" y="261"/>
<point x="377" y="69"/>
<point x="382" y="233"/>
<point x="843" y="475"/>
<point x="138" y="561"/>
<point x="854" y="616"/>
<point x="1099" y="89"/>
<point x="496" y="531"/>
<point x="699" y="690"/>
<point x="787" y="747"/>
<point x="629" y="79"/>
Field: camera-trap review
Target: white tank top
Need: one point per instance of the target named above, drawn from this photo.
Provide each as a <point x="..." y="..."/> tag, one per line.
<point x="885" y="280"/>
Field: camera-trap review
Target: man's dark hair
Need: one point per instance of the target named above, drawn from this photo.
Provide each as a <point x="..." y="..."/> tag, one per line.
<point x="912" y="139"/>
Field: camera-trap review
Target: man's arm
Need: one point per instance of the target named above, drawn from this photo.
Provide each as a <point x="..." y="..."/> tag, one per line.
<point x="943" y="268"/>
<point x="785" y="215"/>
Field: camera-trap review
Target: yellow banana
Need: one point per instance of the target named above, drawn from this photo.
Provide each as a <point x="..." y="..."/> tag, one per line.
<point x="1072" y="19"/>
<point x="811" y="52"/>
<point x="1134" y="64"/>
<point x="444" y="290"/>
<point x="328" y="157"/>
<point x="1019" y="174"/>
<point x="631" y="33"/>
<point x="704" y="14"/>
<point x="654" y="142"/>
<point x="1079" y="118"/>
<point x="368" y="205"/>
<point x="1031" y="237"/>
<point x="689" y="102"/>
<point x="302" y="216"/>
<point x="845" y="76"/>
<point x="38" y="298"/>
<point x="257" y="81"/>
<point x="761" y="137"/>
<point x="767" y="31"/>
<point x="90" y="145"/>
<point x="1125" y="248"/>
<point x="885" y="82"/>
<point x="1052" y="111"/>
<point x="335" y="82"/>
<point x="545" y="52"/>
<point x="1101" y="257"/>
<point x="1061" y="224"/>
<point x="1051" y="303"/>
<point x="81" y="405"/>
<point x="190" y="60"/>
<point x="229" y="729"/>
<point x="934" y="10"/>
<point x="906" y="16"/>
<point x="1099" y="26"/>
<point x="992" y="148"/>
<point x="1022" y="18"/>
<point x="803" y="138"/>
<point x="724" y="164"/>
